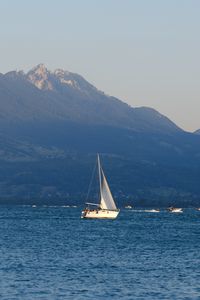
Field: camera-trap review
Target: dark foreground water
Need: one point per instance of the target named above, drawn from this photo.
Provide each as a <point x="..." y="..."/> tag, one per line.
<point x="50" y="253"/>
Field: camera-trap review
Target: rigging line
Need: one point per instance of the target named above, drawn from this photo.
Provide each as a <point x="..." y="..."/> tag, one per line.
<point x="99" y="171"/>
<point x="91" y="180"/>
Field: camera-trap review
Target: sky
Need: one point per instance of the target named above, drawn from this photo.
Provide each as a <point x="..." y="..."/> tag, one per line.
<point x="145" y="52"/>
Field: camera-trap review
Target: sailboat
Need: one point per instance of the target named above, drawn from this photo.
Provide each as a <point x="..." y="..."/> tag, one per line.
<point x="106" y="208"/>
<point x="175" y="209"/>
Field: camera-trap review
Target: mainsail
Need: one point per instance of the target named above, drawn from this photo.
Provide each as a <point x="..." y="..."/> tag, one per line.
<point x="106" y="198"/>
<point x="107" y="201"/>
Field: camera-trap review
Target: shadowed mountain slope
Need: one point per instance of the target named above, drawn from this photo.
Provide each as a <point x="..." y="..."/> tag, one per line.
<point x="52" y="124"/>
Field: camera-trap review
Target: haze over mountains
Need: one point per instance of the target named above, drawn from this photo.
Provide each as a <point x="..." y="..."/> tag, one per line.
<point x="54" y="123"/>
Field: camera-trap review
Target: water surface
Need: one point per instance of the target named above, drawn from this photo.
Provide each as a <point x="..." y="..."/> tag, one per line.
<point x="50" y="253"/>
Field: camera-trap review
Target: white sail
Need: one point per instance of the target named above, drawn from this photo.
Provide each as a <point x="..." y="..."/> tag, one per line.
<point x="107" y="201"/>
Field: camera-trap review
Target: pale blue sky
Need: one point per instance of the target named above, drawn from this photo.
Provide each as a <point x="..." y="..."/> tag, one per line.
<point x="145" y="52"/>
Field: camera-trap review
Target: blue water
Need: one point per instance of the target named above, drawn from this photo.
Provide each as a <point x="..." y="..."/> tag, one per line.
<point x="50" y="253"/>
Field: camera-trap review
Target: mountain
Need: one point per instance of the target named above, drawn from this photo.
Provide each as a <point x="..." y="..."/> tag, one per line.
<point x="197" y="131"/>
<point x="63" y="96"/>
<point x="52" y="124"/>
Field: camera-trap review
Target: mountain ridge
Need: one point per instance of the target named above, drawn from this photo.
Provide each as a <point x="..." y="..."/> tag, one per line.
<point x="197" y="131"/>
<point x="66" y="96"/>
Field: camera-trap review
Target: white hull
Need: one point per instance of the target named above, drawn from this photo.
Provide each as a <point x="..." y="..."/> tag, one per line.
<point x="100" y="214"/>
<point x="176" y="210"/>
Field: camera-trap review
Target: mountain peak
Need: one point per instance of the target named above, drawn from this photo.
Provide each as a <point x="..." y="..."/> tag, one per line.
<point x="39" y="76"/>
<point x="197" y="131"/>
<point x="61" y="73"/>
<point x="40" y="69"/>
<point x="65" y="77"/>
<point x="44" y="79"/>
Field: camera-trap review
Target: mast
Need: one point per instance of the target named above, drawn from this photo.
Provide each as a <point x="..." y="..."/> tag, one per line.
<point x="99" y="170"/>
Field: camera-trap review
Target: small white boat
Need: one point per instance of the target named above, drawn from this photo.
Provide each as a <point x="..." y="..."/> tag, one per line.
<point x="175" y="210"/>
<point x="106" y="209"/>
<point x="198" y="208"/>
<point x="128" y="206"/>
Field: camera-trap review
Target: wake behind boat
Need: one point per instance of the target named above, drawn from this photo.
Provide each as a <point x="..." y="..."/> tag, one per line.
<point x="106" y="209"/>
<point x="152" y="210"/>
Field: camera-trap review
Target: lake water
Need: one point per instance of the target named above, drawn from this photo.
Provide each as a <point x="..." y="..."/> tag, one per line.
<point x="50" y="253"/>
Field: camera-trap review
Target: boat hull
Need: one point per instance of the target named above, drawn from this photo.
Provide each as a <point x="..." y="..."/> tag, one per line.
<point x="99" y="214"/>
<point x="175" y="210"/>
